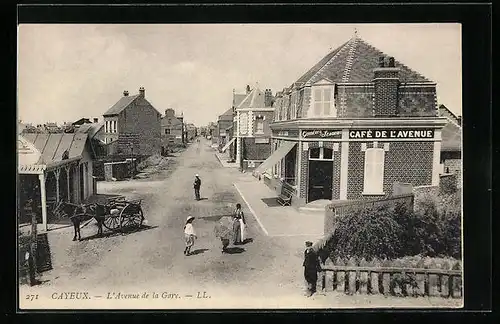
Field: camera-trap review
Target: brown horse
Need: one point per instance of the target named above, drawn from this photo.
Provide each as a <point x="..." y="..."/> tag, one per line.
<point x="81" y="213"/>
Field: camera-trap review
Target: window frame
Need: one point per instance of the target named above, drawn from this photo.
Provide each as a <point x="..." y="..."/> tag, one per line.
<point x="371" y="158"/>
<point x="321" y="154"/>
<point x="322" y="88"/>
<point x="259" y="120"/>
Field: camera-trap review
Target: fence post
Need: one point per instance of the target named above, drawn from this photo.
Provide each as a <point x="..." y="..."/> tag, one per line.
<point x="340" y="284"/>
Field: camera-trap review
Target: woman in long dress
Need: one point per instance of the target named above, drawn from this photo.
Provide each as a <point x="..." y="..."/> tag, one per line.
<point x="224" y="231"/>
<point x="239" y="225"/>
<point x="189" y="235"/>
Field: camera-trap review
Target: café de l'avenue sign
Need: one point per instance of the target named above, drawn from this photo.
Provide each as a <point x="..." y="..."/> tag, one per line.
<point x="392" y="133"/>
<point x="321" y="133"/>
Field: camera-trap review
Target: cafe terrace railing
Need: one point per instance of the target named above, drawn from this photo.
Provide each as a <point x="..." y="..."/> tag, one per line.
<point x="391" y="281"/>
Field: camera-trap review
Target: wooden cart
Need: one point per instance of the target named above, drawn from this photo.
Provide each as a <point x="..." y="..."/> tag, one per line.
<point x="124" y="214"/>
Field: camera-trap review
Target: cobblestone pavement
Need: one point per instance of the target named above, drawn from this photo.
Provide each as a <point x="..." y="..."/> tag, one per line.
<point x="264" y="273"/>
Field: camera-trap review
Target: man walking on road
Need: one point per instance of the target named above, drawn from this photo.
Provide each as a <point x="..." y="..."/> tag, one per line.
<point x="311" y="268"/>
<point x="197" y="186"/>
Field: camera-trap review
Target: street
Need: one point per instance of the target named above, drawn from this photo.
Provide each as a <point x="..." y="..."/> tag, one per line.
<point x="266" y="272"/>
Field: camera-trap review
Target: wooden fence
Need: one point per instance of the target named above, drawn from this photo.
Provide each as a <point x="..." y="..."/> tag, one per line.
<point x="391" y="281"/>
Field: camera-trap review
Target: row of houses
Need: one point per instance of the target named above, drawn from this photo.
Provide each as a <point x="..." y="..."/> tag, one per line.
<point x="350" y="127"/>
<point x="59" y="163"/>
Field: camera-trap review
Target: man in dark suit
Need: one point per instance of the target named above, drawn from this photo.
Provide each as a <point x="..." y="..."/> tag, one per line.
<point x="311" y="268"/>
<point x="197" y="186"/>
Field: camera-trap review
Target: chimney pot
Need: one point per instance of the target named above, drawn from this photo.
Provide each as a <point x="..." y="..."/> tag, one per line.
<point x="142" y="91"/>
<point x="391" y="62"/>
<point x="125" y="93"/>
<point x="381" y="61"/>
<point x="96" y="120"/>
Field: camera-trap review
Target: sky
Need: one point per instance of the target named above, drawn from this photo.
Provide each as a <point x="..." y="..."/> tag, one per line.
<point x="66" y="72"/>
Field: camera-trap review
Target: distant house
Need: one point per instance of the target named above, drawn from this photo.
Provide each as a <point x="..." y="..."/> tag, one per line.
<point x="52" y="128"/>
<point x="54" y="167"/>
<point x="451" y="145"/>
<point x="172" y="129"/>
<point x="253" y="133"/>
<point x="132" y="126"/>
<point x="190" y="131"/>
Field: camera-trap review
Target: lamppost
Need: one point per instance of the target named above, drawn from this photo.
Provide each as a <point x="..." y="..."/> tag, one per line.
<point x="131" y="145"/>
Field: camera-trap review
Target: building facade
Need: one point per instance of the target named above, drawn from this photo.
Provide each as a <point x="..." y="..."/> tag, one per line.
<point x="172" y="129"/>
<point x="253" y="116"/>
<point x="451" y="148"/>
<point x="54" y="167"/>
<point x="352" y="125"/>
<point x="223" y="122"/>
<point x="132" y="126"/>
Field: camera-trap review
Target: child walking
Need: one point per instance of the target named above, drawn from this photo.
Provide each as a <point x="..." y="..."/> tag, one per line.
<point x="189" y="235"/>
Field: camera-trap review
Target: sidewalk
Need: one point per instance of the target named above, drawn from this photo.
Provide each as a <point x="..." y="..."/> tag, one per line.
<point x="223" y="157"/>
<point x="274" y="219"/>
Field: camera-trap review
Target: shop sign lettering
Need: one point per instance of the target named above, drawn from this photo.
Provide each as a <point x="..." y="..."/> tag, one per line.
<point x="321" y="134"/>
<point x="392" y="133"/>
<point x="285" y="133"/>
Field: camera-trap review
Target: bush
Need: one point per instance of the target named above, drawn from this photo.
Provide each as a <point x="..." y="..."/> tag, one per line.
<point x="367" y="233"/>
<point x="433" y="229"/>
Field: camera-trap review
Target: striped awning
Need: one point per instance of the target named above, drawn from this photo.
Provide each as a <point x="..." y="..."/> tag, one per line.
<point x="31" y="169"/>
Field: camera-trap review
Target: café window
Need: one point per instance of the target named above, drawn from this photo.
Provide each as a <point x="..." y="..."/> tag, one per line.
<point x="259" y="125"/>
<point x="321" y="153"/>
<point x="374" y="171"/>
<point x="323" y="101"/>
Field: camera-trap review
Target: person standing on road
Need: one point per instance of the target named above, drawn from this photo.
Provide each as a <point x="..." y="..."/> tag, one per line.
<point x="239" y="225"/>
<point x="311" y="268"/>
<point x="189" y="235"/>
<point x="197" y="186"/>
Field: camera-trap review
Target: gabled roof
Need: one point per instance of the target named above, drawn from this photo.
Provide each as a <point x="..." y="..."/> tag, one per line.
<point x="354" y="62"/>
<point x="170" y="120"/>
<point x="120" y="105"/>
<point x="52" y="146"/>
<point x="238" y="98"/>
<point x="227" y="113"/>
<point x="255" y="99"/>
<point x="90" y="129"/>
<point x="445" y="112"/>
<point x="451" y="136"/>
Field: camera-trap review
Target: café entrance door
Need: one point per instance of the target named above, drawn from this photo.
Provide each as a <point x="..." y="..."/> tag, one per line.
<point x="320" y="174"/>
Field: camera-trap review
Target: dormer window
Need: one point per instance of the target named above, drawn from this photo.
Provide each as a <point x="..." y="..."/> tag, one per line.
<point x="323" y="104"/>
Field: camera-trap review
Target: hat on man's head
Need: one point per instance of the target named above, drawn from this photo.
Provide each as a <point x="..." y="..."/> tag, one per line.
<point x="197" y="175"/>
<point x="189" y="218"/>
<point x="309" y="243"/>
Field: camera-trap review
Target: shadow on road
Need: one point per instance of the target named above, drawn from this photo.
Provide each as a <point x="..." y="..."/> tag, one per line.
<point x="248" y="240"/>
<point x="202" y="199"/>
<point x="124" y="231"/>
<point x="271" y="202"/>
<point x="198" y="251"/>
<point x="234" y="250"/>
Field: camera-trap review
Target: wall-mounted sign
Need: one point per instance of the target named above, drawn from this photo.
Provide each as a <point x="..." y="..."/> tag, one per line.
<point x="321" y="133"/>
<point x="264" y="140"/>
<point x="286" y="133"/>
<point x="392" y="133"/>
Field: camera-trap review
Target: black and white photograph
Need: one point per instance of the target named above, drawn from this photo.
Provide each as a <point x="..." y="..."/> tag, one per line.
<point x="239" y="166"/>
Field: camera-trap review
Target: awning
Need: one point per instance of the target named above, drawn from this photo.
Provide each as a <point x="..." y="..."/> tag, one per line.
<point x="228" y="143"/>
<point x="277" y="155"/>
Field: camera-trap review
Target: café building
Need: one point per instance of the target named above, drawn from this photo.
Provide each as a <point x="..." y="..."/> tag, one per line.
<point x="354" y="124"/>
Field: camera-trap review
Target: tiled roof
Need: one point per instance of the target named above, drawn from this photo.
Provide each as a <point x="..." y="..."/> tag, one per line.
<point x="451" y="135"/>
<point x="90" y="129"/>
<point x="228" y="112"/>
<point x="120" y="105"/>
<point x="52" y="146"/>
<point x="238" y="98"/>
<point x="170" y="121"/>
<point x="255" y="99"/>
<point x="354" y="62"/>
<point x="445" y="112"/>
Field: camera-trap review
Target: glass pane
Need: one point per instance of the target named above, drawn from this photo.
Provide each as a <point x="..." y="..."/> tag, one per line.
<point x="327" y="94"/>
<point x="326" y="109"/>
<point x="317" y="109"/>
<point x="314" y="153"/>
<point x="317" y="95"/>
<point x="327" y="154"/>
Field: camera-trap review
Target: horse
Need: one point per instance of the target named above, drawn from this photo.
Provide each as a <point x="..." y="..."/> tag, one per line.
<point x="81" y="213"/>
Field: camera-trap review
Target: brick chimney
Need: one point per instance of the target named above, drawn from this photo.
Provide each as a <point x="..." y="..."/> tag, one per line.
<point x="125" y="93"/>
<point x="248" y="89"/>
<point x="142" y="92"/>
<point x="268" y="98"/>
<point x="386" y="81"/>
<point x="170" y="112"/>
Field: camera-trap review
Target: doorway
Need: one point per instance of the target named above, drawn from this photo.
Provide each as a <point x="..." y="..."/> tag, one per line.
<point x="320" y="174"/>
<point x="82" y="184"/>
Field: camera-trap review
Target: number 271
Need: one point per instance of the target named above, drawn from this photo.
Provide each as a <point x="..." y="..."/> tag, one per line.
<point x="31" y="297"/>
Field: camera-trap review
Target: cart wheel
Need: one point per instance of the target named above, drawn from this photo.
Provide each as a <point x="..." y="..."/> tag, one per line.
<point x="112" y="222"/>
<point x="131" y="216"/>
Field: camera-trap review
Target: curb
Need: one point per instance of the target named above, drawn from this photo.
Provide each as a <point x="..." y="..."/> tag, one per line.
<point x="251" y="210"/>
